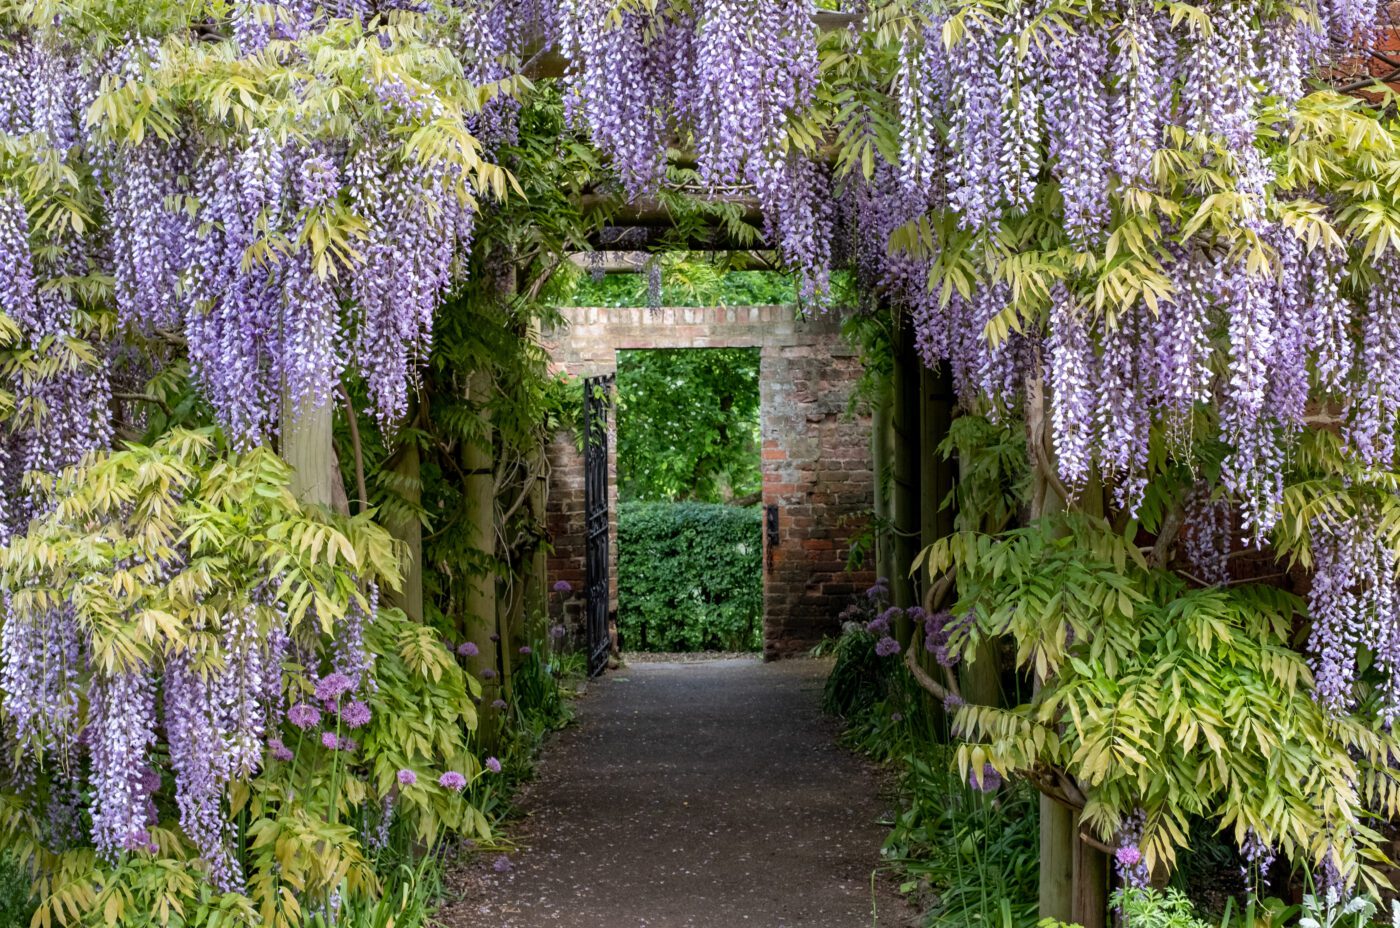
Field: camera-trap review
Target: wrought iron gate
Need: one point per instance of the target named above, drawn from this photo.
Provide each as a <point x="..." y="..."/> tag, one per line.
<point x="597" y="400"/>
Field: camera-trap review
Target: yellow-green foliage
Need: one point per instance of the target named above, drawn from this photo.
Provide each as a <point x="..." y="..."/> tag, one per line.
<point x="1160" y="697"/>
<point x="152" y="547"/>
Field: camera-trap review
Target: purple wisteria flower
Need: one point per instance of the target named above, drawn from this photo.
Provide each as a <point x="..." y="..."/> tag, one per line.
<point x="279" y="750"/>
<point x="355" y="714"/>
<point x="563" y="586"/>
<point x="452" y="780"/>
<point x="304" y="716"/>
<point x="333" y="686"/>
<point x="886" y="647"/>
<point x="493" y="765"/>
<point x="407" y="777"/>
<point x="468" y="649"/>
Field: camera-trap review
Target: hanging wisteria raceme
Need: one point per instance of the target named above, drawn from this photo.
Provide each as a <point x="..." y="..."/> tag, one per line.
<point x="977" y="124"/>
<point x="198" y="753"/>
<point x="1077" y="128"/>
<point x="1022" y="132"/>
<point x="1374" y="403"/>
<point x="350" y="656"/>
<point x="616" y="85"/>
<point x="42" y="668"/>
<point x="1182" y="364"/>
<point x="1124" y="409"/>
<point x="418" y="227"/>
<point x="120" y="733"/>
<point x="1354" y="603"/>
<point x="1070" y="375"/>
<point x="1143" y="62"/>
<point x="922" y="84"/>
<point x="1208" y="537"/>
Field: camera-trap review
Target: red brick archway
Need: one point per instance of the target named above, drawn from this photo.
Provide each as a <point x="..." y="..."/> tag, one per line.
<point x="816" y="451"/>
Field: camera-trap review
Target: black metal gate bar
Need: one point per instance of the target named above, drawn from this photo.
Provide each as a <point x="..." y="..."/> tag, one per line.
<point x="597" y="399"/>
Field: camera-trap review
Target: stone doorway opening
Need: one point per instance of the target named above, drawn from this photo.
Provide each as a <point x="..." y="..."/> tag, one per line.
<point x="817" y="483"/>
<point x="689" y="497"/>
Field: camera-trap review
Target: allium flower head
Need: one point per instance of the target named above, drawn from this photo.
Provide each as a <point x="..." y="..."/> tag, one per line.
<point x="493" y="765"/>
<point x="452" y="780"/>
<point x="468" y="649"/>
<point x="1128" y="855"/>
<point x="886" y="647"/>
<point x="988" y="781"/>
<point x="526" y="649"/>
<point x="329" y="739"/>
<point x="488" y="674"/>
<point x="502" y="864"/>
<point x="557" y="632"/>
<point x="563" y="586"/>
<point x="333" y="686"/>
<point x="304" y="716"/>
<point x="498" y="704"/>
<point x="354" y="714"/>
<point x="407" y="777"/>
<point x="279" y="750"/>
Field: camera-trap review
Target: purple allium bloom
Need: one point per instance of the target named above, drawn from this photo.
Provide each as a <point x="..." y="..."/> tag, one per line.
<point x="488" y="674"/>
<point x="988" y="782"/>
<point x="333" y="686"/>
<point x="952" y="702"/>
<point x="916" y="614"/>
<point x="498" y="704"/>
<point x="355" y="714"/>
<point x="886" y="647"/>
<point x="563" y="586"/>
<point x="468" y="649"/>
<point x="407" y="777"/>
<point x="1128" y="856"/>
<point x="329" y="740"/>
<point x="348" y="745"/>
<point x="526" y="649"/>
<point x="495" y="637"/>
<point x="452" y="780"/>
<point x="557" y="632"/>
<point x="502" y="864"/>
<point x="279" y="750"/>
<point x="304" y="716"/>
<point x="877" y="626"/>
<point x="896" y="716"/>
<point x="493" y="765"/>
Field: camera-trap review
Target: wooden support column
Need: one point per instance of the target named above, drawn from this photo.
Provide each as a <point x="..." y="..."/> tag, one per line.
<point x="905" y="485"/>
<point x="406" y="527"/>
<point x="479" y="487"/>
<point x="881" y="447"/>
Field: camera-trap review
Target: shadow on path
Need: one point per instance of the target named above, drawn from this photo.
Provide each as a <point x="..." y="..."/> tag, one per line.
<point x="705" y="795"/>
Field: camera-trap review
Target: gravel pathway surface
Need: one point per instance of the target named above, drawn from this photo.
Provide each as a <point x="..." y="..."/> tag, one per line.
<point x="706" y="795"/>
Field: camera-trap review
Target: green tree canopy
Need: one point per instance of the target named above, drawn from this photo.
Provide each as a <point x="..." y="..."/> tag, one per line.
<point x="688" y="426"/>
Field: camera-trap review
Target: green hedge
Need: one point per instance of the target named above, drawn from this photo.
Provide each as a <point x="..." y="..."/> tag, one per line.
<point x="690" y="577"/>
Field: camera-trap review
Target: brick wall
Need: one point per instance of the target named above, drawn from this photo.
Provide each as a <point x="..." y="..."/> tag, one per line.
<point x="816" y="456"/>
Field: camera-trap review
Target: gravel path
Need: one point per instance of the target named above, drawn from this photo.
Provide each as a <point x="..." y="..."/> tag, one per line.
<point x="703" y="795"/>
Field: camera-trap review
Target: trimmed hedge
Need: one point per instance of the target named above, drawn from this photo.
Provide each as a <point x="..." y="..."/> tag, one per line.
<point x="690" y="577"/>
